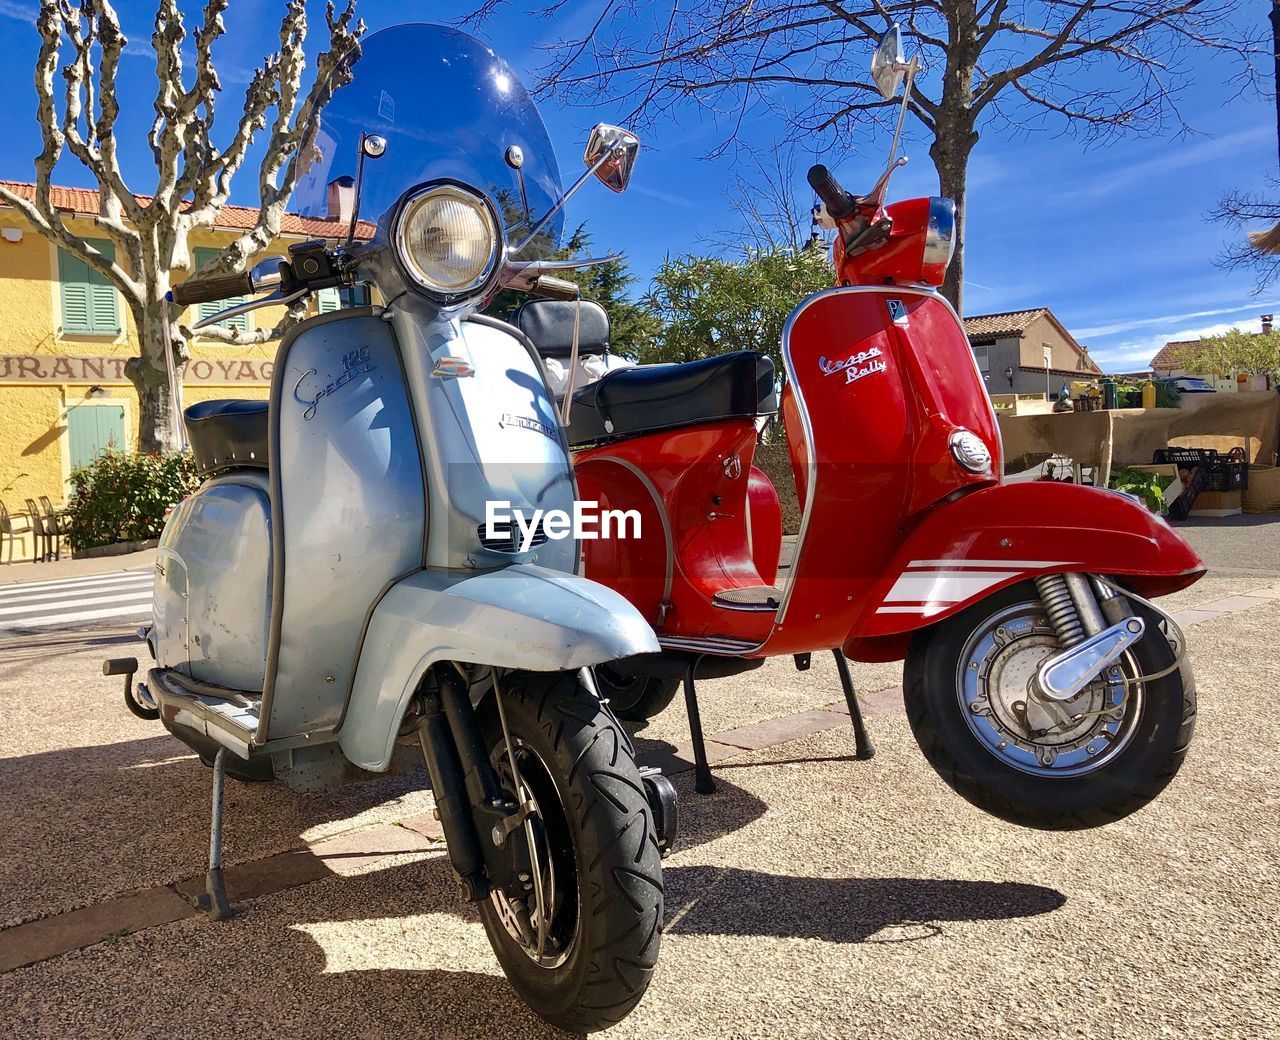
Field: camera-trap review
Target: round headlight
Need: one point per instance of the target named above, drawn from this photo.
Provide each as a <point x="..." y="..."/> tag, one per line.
<point x="940" y="237"/>
<point x="970" y="451"/>
<point x="448" y="240"/>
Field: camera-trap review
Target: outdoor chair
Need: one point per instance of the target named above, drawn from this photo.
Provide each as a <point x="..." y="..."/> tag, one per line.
<point x="42" y="550"/>
<point x="11" y="525"/>
<point x="56" y="519"/>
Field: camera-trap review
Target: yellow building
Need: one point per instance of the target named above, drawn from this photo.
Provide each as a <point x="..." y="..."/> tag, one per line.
<point x="66" y="335"/>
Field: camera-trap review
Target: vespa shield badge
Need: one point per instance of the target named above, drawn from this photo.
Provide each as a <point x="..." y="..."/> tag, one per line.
<point x="897" y="311"/>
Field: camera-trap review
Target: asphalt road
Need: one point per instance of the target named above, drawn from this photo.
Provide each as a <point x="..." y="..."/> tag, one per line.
<point x="812" y="895"/>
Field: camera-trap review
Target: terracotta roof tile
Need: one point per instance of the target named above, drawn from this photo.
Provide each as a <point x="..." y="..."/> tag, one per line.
<point x="1170" y="354"/>
<point x="231" y="218"/>
<point x="1006" y="323"/>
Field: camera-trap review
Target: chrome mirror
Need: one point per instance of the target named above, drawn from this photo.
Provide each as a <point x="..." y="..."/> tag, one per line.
<point x="611" y="155"/>
<point x="889" y="64"/>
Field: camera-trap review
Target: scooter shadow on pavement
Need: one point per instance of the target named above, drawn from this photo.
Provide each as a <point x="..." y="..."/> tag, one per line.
<point x="710" y="900"/>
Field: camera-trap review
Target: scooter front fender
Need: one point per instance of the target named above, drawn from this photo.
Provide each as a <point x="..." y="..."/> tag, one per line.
<point x="965" y="550"/>
<point x="522" y="616"/>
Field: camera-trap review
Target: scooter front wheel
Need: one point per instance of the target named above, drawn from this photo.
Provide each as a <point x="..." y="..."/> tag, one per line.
<point x="979" y="716"/>
<point x="596" y="865"/>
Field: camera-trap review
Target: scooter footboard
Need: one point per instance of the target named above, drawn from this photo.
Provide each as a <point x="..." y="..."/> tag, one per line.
<point x="524" y="617"/>
<point x="968" y="549"/>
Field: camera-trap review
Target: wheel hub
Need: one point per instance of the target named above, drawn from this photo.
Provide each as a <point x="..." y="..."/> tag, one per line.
<point x="1005" y="708"/>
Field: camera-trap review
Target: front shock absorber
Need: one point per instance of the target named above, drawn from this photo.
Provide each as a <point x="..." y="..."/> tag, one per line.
<point x="1063" y="617"/>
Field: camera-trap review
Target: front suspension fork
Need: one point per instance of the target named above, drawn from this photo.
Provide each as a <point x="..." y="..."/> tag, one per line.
<point x="1095" y="626"/>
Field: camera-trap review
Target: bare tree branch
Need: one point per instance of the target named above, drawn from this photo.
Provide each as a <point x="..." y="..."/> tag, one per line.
<point x="193" y="175"/>
<point x="1096" y="67"/>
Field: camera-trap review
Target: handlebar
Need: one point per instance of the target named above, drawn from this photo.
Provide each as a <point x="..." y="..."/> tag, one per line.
<point x="840" y="204"/>
<point x="555" y="288"/>
<point x="215" y="287"/>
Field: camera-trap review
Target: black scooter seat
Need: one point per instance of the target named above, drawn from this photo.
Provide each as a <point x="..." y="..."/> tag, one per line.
<point x="633" y="401"/>
<point x="227" y="434"/>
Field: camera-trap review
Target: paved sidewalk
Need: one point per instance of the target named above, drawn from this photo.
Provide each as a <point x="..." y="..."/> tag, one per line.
<point x="811" y="896"/>
<point x="55" y="570"/>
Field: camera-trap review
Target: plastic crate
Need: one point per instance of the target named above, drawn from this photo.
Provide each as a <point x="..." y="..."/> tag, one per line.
<point x="1228" y="472"/>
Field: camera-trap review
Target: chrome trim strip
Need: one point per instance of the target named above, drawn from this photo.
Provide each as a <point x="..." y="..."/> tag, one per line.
<point x="719" y="645"/>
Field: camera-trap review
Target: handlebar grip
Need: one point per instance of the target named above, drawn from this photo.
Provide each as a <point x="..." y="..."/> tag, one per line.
<point x="840" y="204"/>
<point x="214" y="287"/>
<point x="554" y="288"/>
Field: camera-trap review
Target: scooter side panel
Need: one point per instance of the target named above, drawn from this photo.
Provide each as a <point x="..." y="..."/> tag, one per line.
<point x="348" y="510"/>
<point x="695" y="533"/>
<point x="995" y="537"/>
<point x="228" y="608"/>
<point x="523" y="616"/>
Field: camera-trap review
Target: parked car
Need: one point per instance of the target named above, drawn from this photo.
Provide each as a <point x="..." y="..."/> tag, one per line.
<point x="1193" y="385"/>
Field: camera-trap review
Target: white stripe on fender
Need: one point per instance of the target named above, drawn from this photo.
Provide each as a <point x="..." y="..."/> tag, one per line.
<point x="920" y="608"/>
<point x="943" y="586"/>
<point x="1022" y="565"/>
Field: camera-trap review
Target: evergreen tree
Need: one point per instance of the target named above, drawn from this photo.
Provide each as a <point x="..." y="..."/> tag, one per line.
<point x="634" y="328"/>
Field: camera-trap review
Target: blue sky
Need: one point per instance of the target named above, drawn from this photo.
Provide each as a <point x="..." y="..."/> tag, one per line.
<point x="1113" y="239"/>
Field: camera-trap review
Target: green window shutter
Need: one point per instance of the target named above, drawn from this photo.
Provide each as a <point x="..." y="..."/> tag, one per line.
<point x="89" y="301"/>
<point x="92" y="429"/>
<point x="106" y="318"/>
<point x="73" y="273"/>
<point x="327" y="300"/>
<point x="209" y="308"/>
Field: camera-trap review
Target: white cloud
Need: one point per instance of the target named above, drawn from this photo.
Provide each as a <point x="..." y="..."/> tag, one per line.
<point x="1138" y="353"/>
<point x="19" y="11"/>
<point x="1251" y="309"/>
<point x="1174" y="156"/>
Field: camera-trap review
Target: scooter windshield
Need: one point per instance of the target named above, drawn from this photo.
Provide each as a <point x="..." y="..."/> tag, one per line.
<point x="447" y="108"/>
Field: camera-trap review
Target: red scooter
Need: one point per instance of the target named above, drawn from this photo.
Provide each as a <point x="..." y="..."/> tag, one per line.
<point x="1040" y="681"/>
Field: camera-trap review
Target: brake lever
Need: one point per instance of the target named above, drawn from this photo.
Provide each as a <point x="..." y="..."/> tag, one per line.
<point x="871" y="235"/>
<point x="877" y="194"/>
<point x="274" y="298"/>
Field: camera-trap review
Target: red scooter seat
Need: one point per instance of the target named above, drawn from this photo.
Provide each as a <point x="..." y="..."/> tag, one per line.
<point x="648" y="398"/>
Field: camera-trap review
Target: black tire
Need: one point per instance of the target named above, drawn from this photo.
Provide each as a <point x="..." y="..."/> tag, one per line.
<point x="636" y="698"/>
<point x="1137" y="772"/>
<point x="606" y="833"/>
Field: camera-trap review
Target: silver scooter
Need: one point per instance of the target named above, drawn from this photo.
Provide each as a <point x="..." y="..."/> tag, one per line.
<point x="333" y="587"/>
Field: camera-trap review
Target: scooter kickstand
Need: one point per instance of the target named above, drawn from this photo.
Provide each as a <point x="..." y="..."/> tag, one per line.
<point x="213" y="900"/>
<point x="702" y="780"/>
<point x="862" y="746"/>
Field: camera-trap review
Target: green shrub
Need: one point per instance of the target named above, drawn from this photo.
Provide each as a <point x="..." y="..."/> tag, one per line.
<point x="122" y="496"/>
<point x="1145" y="485"/>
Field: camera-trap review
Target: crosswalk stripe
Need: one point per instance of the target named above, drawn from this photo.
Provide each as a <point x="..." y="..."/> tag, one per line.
<point x="43" y="609"/>
<point x="86" y="582"/>
<point x="41" y="598"/>
<point x="84" y="615"/>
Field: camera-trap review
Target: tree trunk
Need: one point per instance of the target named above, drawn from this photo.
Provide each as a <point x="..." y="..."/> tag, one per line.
<point x="951" y="159"/>
<point x="1275" y="47"/>
<point x="150" y="377"/>
<point x="954" y="134"/>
